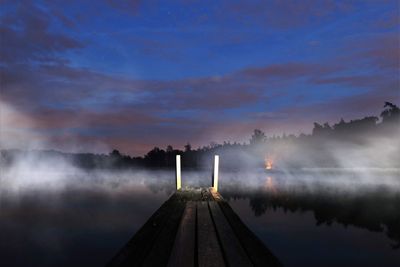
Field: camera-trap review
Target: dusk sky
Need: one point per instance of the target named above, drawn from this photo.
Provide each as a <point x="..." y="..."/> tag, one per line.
<point x="97" y="75"/>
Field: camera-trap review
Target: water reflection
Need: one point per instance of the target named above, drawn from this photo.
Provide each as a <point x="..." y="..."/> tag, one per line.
<point x="73" y="227"/>
<point x="270" y="186"/>
<point x="84" y="221"/>
<point x="374" y="208"/>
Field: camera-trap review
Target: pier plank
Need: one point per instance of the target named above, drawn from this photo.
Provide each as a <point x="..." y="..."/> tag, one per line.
<point x="258" y="253"/>
<point x="234" y="253"/>
<point x="162" y="246"/>
<point x="209" y="251"/>
<point x="139" y="245"/>
<point x="183" y="252"/>
<point x="194" y="227"/>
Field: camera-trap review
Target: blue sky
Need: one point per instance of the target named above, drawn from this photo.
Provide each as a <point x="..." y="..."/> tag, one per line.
<point x="97" y="75"/>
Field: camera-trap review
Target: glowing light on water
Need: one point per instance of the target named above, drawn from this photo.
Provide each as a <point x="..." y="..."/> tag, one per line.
<point x="268" y="164"/>
<point x="270" y="185"/>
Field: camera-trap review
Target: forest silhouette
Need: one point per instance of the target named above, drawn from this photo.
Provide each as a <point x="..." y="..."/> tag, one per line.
<point x="356" y="131"/>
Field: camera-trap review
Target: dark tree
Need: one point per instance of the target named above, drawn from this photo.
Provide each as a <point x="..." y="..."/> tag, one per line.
<point x="170" y="149"/>
<point x="391" y="113"/>
<point x="115" y="153"/>
<point x="356" y="131"/>
<point x="258" y="137"/>
<point x="188" y="147"/>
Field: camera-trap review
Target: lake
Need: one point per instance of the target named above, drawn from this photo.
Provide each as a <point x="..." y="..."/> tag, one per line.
<point x="306" y="218"/>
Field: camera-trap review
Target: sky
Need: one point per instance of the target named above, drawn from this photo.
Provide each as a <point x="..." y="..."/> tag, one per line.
<point x="97" y="75"/>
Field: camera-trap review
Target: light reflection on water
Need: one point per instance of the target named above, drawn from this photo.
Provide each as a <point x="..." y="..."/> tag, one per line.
<point x="303" y="219"/>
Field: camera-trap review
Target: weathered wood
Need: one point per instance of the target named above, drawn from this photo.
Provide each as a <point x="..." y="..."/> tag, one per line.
<point x="206" y="195"/>
<point x="209" y="251"/>
<point x="162" y="246"/>
<point x="234" y="253"/>
<point x="194" y="227"/>
<point x="193" y="194"/>
<point x="215" y="195"/>
<point x="137" y="248"/>
<point x="254" y="247"/>
<point x="183" y="252"/>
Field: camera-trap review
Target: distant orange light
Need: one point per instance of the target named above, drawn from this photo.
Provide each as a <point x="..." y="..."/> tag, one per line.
<point x="268" y="164"/>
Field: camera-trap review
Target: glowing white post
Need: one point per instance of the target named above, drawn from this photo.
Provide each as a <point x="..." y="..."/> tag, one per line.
<point x="178" y="172"/>
<point x="215" y="177"/>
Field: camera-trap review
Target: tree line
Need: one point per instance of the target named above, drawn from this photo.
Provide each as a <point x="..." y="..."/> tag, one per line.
<point x="257" y="148"/>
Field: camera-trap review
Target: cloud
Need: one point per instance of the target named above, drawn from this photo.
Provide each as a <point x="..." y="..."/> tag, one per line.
<point x="78" y="107"/>
<point x="129" y="6"/>
<point x="71" y="105"/>
<point x="289" y="14"/>
<point x="363" y="81"/>
<point x="289" y="70"/>
<point x="383" y="51"/>
<point x="26" y="36"/>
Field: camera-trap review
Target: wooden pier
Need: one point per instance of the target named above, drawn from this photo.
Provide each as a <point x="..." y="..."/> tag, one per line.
<point x="194" y="227"/>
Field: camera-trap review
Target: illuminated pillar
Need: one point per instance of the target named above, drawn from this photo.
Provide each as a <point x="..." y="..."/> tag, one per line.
<point x="215" y="176"/>
<point x="178" y="172"/>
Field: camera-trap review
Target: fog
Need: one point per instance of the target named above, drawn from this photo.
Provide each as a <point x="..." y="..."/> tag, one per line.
<point x="59" y="214"/>
<point x="54" y="175"/>
<point x="374" y="162"/>
<point x="354" y="159"/>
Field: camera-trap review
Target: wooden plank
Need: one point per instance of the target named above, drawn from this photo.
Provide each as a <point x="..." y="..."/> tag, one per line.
<point x="258" y="253"/>
<point x="133" y="253"/>
<point x="215" y="195"/>
<point x="192" y="194"/>
<point x="162" y="246"/>
<point x="209" y="251"/>
<point x="210" y="234"/>
<point x="205" y="194"/>
<point x="183" y="253"/>
<point x="234" y="253"/>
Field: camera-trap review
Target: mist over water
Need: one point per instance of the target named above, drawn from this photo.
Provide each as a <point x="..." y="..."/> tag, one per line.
<point x="56" y="213"/>
<point x="342" y="194"/>
<point x="300" y="100"/>
<point x="49" y="174"/>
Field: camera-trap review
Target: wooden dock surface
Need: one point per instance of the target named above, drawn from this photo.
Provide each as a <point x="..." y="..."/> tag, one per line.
<point x="194" y="227"/>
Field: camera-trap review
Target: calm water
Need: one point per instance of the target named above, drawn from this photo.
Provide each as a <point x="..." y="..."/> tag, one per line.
<point x="306" y="219"/>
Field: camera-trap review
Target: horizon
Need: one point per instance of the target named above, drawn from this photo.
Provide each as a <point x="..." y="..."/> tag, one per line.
<point x="200" y="133"/>
<point x="83" y="76"/>
<point x="182" y="146"/>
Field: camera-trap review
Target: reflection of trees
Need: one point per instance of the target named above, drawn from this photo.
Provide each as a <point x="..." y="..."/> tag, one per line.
<point x="376" y="211"/>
